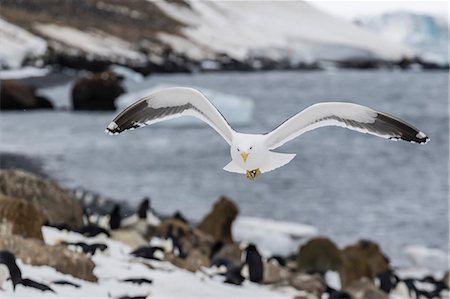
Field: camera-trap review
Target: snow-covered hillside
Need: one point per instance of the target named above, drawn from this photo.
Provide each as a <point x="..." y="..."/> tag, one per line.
<point x="425" y="33"/>
<point x="295" y="30"/>
<point x="185" y="35"/>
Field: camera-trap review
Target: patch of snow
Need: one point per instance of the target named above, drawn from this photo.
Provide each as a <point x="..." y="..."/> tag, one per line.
<point x="271" y="236"/>
<point x="95" y="43"/>
<point x="116" y="264"/>
<point x="17" y="45"/>
<point x="25" y="72"/>
<point x="236" y="109"/>
<point x="273" y="29"/>
<point x="429" y="258"/>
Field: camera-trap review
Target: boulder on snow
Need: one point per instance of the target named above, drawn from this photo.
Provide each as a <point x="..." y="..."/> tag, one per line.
<point x="319" y="255"/>
<point x="55" y="203"/>
<point x="97" y="92"/>
<point x="364" y="259"/>
<point x="19" y="217"/>
<point x="15" y="95"/>
<point x="219" y="221"/>
<point x="36" y="253"/>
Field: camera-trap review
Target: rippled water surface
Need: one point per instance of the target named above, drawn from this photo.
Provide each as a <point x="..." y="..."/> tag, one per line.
<point x="349" y="185"/>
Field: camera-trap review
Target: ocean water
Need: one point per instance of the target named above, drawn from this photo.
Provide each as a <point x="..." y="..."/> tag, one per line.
<point x="348" y="185"/>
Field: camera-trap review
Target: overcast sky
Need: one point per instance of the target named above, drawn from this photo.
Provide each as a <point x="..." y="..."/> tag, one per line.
<point x="351" y="9"/>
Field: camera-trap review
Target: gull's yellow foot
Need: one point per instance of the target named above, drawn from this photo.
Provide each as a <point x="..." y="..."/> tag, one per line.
<point x="252" y="174"/>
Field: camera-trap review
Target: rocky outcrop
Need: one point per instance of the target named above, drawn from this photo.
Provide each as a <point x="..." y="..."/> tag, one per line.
<point x="36" y="253"/>
<point x="19" y="217"/>
<point x="15" y="95"/>
<point x="319" y="255"/>
<point x="57" y="206"/>
<point x="219" y="221"/>
<point x="365" y="289"/>
<point x="313" y="284"/>
<point x="97" y="92"/>
<point x="363" y="259"/>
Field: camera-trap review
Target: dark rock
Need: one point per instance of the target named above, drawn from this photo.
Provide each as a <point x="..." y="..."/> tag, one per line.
<point x="363" y="259"/>
<point x="19" y="217"/>
<point x="365" y="289"/>
<point x="16" y="96"/>
<point x="97" y="92"/>
<point x="319" y="255"/>
<point x="56" y="204"/>
<point x="36" y="253"/>
<point x="313" y="284"/>
<point x="219" y="221"/>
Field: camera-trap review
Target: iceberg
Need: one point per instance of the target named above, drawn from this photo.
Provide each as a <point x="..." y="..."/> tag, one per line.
<point x="238" y="110"/>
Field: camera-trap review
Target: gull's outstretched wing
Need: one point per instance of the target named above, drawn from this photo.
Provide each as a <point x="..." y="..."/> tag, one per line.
<point x="347" y="115"/>
<point x="168" y="104"/>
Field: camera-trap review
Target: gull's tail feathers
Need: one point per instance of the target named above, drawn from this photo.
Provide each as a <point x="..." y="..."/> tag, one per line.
<point x="276" y="160"/>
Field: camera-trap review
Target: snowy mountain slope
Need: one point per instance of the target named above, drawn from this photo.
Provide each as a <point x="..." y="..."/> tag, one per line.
<point x="293" y="29"/>
<point x="169" y="35"/>
<point x="427" y="34"/>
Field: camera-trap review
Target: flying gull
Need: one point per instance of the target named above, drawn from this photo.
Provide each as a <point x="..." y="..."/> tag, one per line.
<point x="252" y="154"/>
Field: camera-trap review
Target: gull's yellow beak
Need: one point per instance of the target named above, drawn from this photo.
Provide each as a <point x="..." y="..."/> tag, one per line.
<point x="244" y="156"/>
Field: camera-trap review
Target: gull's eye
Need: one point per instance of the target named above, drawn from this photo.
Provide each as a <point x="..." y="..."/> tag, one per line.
<point x="238" y="150"/>
<point x="251" y="147"/>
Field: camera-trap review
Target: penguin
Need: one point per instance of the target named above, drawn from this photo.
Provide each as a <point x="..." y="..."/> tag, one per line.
<point x="26" y="282"/>
<point x="92" y="230"/>
<point x="149" y="252"/>
<point x="180" y="217"/>
<point x="138" y="281"/>
<point x="143" y="208"/>
<point x="279" y="259"/>
<point x="234" y="276"/>
<point x="89" y="248"/>
<point x="66" y="282"/>
<point x="9" y="269"/>
<point x="335" y="294"/>
<point x="387" y="281"/>
<point x="253" y="260"/>
<point x="215" y="248"/>
<point x="115" y="217"/>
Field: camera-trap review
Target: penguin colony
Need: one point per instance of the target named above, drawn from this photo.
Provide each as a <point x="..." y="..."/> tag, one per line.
<point x="251" y="267"/>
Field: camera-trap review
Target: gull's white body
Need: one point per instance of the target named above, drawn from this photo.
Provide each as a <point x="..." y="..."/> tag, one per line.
<point x="255" y="151"/>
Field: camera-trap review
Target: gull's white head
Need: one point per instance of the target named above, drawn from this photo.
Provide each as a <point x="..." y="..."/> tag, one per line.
<point x="248" y="150"/>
